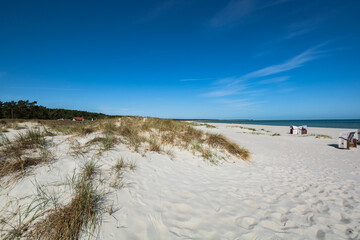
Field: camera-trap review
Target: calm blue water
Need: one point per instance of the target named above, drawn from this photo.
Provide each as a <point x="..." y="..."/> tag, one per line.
<point x="338" y="123"/>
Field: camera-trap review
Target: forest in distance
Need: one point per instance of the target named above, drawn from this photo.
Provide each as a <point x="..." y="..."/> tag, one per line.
<point x="24" y="109"/>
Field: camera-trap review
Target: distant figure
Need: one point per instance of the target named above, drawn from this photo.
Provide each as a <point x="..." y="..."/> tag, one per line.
<point x="79" y="119"/>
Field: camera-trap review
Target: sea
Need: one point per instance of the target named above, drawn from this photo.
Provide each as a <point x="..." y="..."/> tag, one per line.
<point x="327" y="123"/>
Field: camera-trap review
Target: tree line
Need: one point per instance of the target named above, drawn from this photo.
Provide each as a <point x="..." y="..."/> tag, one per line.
<point x="30" y="110"/>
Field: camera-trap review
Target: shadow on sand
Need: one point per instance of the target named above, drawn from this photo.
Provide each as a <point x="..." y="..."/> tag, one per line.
<point x="334" y="145"/>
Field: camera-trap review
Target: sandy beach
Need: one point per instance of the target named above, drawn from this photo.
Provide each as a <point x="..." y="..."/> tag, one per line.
<point x="293" y="187"/>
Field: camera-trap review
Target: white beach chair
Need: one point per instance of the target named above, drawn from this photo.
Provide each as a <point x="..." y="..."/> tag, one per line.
<point x="347" y="140"/>
<point x="304" y="129"/>
<point x="291" y="129"/>
<point x="295" y="130"/>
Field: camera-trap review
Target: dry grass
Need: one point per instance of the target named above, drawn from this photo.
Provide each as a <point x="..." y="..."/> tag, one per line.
<point x="174" y="133"/>
<point x="68" y="127"/>
<point x="264" y="130"/>
<point x="121" y="165"/>
<point x="3" y="129"/>
<point x="216" y="140"/>
<point x="81" y="214"/>
<point x="107" y="141"/>
<point x="154" y="145"/>
<point x="26" y="150"/>
<point x="275" y="135"/>
<point x="17" y="166"/>
<point x="247" y="128"/>
<point x="151" y="134"/>
<point x="45" y="218"/>
<point x="118" y="170"/>
<point x="203" y="124"/>
<point x="77" y="148"/>
<point x="318" y="136"/>
<point x="323" y="136"/>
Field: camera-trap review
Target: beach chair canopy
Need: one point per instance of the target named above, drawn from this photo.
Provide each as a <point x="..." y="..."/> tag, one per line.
<point x="344" y="135"/>
<point x="347" y="140"/>
<point x="348" y="136"/>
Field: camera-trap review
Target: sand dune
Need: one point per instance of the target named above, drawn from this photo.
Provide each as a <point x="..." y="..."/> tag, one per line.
<point x="295" y="187"/>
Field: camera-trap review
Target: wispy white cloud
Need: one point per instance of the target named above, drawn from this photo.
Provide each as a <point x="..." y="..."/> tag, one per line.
<point x="234" y="85"/>
<point x="237" y="102"/>
<point x="221" y="92"/>
<point x="290" y="64"/>
<point x="299" y="32"/>
<point x="274" y="80"/>
<point x="306" y="26"/>
<point x="241" y="103"/>
<point x="232" y="12"/>
<point x="236" y="10"/>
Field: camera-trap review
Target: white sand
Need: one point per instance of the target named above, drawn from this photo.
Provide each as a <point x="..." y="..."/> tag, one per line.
<point x="295" y="188"/>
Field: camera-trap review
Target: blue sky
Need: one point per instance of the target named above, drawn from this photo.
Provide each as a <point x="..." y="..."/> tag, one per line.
<point x="254" y="59"/>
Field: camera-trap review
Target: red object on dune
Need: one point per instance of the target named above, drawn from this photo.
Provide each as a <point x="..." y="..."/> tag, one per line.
<point x="78" y="119"/>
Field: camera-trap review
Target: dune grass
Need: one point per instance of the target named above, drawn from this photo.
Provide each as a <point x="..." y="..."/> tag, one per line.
<point x="216" y="140"/>
<point x="46" y="218"/>
<point x="77" y="149"/>
<point x="118" y="169"/>
<point x="275" y="135"/>
<point x="203" y="124"/>
<point x="318" y="136"/>
<point x="323" y="136"/>
<point x="81" y="214"/>
<point x="26" y="150"/>
<point x="150" y="134"/>
<point x="3" y="129"/>
<point x="106" y="142"/>
<point x="121" y="165"/>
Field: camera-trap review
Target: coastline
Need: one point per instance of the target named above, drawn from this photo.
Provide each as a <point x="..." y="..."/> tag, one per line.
<point x="326" y="123"/>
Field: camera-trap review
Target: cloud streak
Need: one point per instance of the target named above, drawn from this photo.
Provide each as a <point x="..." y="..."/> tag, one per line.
<point x="232" y="12"/>
<point x="231" y="86"/>
<point x="308" y="25"/>
<point x="241" y="103"/>
<point x="274" y="80"/>
<point x="236" y="10"/>
<point x="290" y="64"/>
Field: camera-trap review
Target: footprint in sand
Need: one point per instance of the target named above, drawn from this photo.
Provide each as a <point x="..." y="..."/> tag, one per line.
<point x="272" y="225"/>
<point x="246" y="222"/>
<point x="320" y="235"/>
<point x="300" y="210"/>
<point x="279" y="218"/>
<point x="320" y="207"/>
<point x="345" y="231"/>
<point x="346" y="204"/>
<point x="252" y="204"/>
